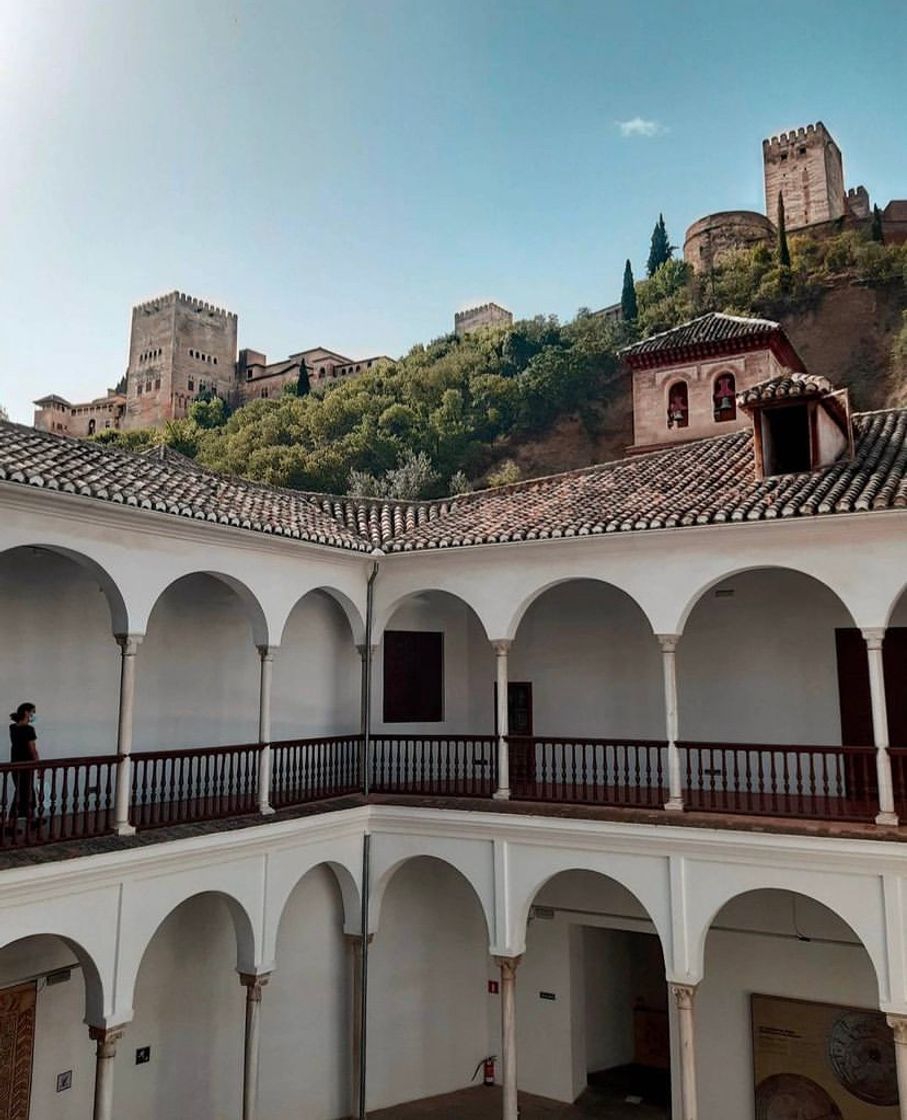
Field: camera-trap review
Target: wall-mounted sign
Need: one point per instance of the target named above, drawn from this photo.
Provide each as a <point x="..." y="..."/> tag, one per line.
<point x="824" y="1061"/>
<point x="547" y="995"/>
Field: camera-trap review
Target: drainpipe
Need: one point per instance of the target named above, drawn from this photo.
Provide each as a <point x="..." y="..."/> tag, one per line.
<point x="363" y="986"/>
<point x="367" y="674"/>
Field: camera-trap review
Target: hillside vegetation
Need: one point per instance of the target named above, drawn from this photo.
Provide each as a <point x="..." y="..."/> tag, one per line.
<point x="540" y="395"/>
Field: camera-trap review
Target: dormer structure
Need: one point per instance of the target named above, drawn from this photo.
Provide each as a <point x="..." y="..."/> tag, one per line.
<point x="686" y="380"/>
<point x="800" y="423"/>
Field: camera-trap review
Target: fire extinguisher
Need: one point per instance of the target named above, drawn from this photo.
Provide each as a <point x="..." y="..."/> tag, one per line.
<point x="487" y="1067"/>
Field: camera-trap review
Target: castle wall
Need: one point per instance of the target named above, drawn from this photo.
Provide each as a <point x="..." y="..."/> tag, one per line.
<point x="476" y="317"/>
<point x="652" y="386"/>
<point x="713" y="238"/>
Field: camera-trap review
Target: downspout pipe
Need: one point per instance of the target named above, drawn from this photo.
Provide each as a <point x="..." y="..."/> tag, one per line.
<point x="363" y="987"/>
<point x="367" y="672"/>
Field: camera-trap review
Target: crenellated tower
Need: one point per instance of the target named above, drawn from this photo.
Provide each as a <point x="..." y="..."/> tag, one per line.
<point x="805" y="166"/>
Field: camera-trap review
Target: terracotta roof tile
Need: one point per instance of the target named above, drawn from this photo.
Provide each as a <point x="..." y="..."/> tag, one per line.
<point x="713" y="327"/>
<point x="785" y="386"/>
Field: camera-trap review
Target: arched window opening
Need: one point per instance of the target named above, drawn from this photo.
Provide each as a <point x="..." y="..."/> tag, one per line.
<point x="678" y="405"/>
<point x="724" y="397"/>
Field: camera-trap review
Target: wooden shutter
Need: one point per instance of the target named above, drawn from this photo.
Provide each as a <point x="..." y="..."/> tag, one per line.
<point x="413" y="676"/>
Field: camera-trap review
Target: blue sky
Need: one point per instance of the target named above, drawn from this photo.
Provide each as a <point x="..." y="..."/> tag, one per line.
<point x="349" y="173"/>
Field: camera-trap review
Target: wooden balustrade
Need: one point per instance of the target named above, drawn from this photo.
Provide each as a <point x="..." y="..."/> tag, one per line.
<point x="626" y="772"/>
<point x="312" y="769"/>
<point x="898" y="757"/>
<point x="57" y="799"/>
<point x="780" y="780"/>
<point x="435" y="765"/>
<point x="175" y="786"/>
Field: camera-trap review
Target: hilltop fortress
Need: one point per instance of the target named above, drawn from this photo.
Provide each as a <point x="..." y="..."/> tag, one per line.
<point x="805" y="167"/>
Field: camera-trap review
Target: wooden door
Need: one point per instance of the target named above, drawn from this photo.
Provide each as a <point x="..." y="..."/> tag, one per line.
<point x="853" y="686"/>
<point x="17" y="1040"/>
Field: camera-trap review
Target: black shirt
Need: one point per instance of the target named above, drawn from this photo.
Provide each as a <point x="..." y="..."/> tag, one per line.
<point x="21" y="735"/>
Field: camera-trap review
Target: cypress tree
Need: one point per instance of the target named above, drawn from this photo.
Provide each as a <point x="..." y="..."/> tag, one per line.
<point x="629" y="310"/>
<point x="876" y="229"/>
<point x="783" y="251"/>
<point x="661" y="249"/>
<point x="302" y="383"/>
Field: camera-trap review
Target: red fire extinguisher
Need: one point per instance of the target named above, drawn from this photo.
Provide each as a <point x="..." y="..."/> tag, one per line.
<point x="487" y="1067"/>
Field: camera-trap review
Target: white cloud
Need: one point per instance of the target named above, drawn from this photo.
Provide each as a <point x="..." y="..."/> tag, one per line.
<point x="639" y="126"/>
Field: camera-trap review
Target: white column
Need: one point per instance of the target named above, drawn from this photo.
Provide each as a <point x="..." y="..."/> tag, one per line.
<point x="253" y="983"/>
<point x="898" y="1024"/>
<point x="684" y="995"/>
<point x="129" y="644"/>
<point x="266" y="654"/>
<point x="508" y="967"/>
<point x="105" y="1052"/>
<point x="874" y="639"/>
<point x="501" y="649"/>
<point x="668" y="643"/>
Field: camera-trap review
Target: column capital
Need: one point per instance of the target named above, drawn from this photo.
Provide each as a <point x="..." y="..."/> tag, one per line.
<point x="874" y="636"/>
<point x="266" y="653"/>
<point x="508" y="965"/>
<point x="129" y="643"/>
<point x="106" y="1038"/>
<point x="668" y="642"/>
<point x="363" y="650"/>
<point x="501" y="646"/>
<point x="683" y="994"/>
<point x="355" y="939"/>
<point x="254" y="982"/>
<point x="898" y="1024"/>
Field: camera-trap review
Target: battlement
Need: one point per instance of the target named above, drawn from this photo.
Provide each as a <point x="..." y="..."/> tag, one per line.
<point x="808" y="134"/>
<point x="459" y="316"/>
<point x="151" y="305"/>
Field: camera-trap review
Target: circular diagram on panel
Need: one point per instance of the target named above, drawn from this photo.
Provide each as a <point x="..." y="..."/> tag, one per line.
<point x="861" y="1052"/>
<point x="790" y="1096"/>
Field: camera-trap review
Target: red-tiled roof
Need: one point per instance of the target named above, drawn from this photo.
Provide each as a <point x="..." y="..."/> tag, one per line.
<point x="786" y="386"/>
<point x="713" y="327"/>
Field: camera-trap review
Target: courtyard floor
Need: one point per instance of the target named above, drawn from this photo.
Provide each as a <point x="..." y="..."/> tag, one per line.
<point x="485" y="1104"/>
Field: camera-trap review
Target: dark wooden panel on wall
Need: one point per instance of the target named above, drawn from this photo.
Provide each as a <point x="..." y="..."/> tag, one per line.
<point x="413" y="676"/>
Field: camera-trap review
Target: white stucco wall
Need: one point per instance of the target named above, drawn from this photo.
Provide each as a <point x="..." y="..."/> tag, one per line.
<point x="594" y="664"/>
<point x="759" y="665"/>
<point x="305" y="1017"/>
<point x="189" y="1009"/>
<point x="57" y="651"/>
<point x="428" y="969"/>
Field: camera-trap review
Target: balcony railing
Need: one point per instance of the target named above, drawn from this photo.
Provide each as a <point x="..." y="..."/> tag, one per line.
<point x="625" y="772"/>
<point x="61" y="799"/>
<point x="771" y="779"/>
<point x="177" y="786"/>
<point x="434" y="765"/>
<point x="71" y="799"/>
<point x="305" y="770"/>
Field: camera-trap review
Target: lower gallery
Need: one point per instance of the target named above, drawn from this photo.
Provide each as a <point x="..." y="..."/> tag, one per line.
<point x="589" y="788"/>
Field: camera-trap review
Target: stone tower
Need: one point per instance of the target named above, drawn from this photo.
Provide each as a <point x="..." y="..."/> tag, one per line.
<point x="806" y="167"/>
<point x="178" y="346"/>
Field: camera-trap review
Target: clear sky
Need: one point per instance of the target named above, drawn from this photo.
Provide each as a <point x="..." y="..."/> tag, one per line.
<point x="349" y="173"/>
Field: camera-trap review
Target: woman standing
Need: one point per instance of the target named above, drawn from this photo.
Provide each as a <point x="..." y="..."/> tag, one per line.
<point x="23" y="748"/>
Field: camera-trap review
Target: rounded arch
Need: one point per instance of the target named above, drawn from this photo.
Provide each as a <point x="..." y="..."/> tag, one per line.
<point x="347" y="605"/>
<point x="254" y="611"/>
<point x="386" y="614"/>
<point x="283" y="887"/>
<point x="119" y="613"/>
<point x="860" y="910"/>
<point x="898" y="604"/>
<point x="95" y="1006"/>
<point x="649" y="906"/>
<point x="697" y="596"/>
<point x="677" y="403"/>
<point x="537" y="593"/>
<point x="459" y="865"/>
<point x="147" y="918"/>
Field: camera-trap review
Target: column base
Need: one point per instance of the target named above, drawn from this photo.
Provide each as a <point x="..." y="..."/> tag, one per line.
<point x="501" y="795"/>
<point x="674" y="805"/>
<point x="889" y="819"/>
<point x="267" y="810"/>
<point x="124" y="828"/>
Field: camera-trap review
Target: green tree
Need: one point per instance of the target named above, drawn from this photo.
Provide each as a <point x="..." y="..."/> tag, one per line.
<point x="783" y="250"/>
<point x="302" y="382"/>
<point x="875" y="231"/>
<point x="209" y="411"/>
<point x="629" y="309"/>
<point x="661" y="250"/>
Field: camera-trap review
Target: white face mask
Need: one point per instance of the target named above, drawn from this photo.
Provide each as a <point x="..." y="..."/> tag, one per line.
<point x="32" y="717"/>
